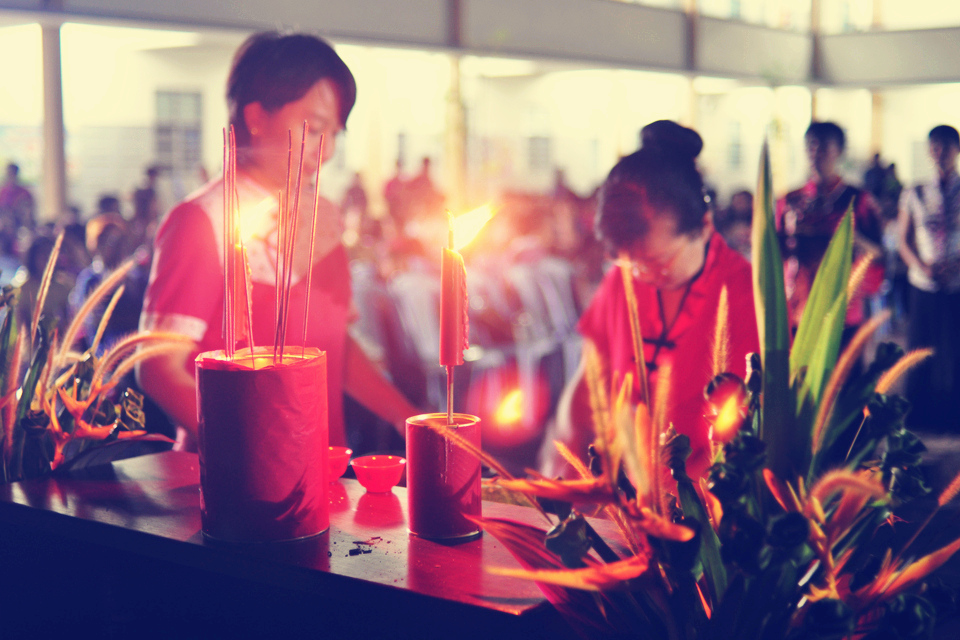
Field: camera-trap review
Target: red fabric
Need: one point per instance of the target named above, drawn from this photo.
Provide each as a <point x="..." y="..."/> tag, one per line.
<point x="606" y="323"/>
<point x="185" y="291"/>
<point x="817" y="221"/>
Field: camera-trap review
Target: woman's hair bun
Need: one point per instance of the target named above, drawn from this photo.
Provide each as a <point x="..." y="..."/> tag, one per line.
<point x="668" y="137"/>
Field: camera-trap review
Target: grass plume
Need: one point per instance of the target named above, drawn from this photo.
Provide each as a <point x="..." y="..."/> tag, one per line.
<point x="839" y="376"/>
<point x="636" y="331"/>
<point x="109" y="284"/>
<point x="858" y="273"/>
<point x="721" y="334"/>
<point x="45" y="285"/>
<point x="904" y="364"/>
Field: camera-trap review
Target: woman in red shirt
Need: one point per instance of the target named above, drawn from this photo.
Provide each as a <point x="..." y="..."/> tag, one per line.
<point x="276" y="83"/>
<point x="653" y="211"/>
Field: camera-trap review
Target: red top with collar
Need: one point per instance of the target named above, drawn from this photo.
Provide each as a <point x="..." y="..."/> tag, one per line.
<point x="806" y="222"/>
<point x="185" y="290"/>
<point x="688" y="345"/>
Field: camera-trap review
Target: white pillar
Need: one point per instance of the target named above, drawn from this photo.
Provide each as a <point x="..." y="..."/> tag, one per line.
<point x="876" y="121"/>
<point x="54" y="183"/>
<point x="455" y="156"/>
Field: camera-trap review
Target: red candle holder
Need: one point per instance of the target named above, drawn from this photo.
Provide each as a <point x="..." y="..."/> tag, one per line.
<point x="443" y="479"/>
<point x="263" y="445"/>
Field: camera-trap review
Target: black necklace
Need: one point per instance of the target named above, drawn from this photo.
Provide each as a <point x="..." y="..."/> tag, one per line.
<point x="663" y="341"/>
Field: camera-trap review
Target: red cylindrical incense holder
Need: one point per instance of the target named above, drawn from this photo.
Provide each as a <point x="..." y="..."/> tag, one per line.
<point x="443" y="479"/>
<point x="263" y="445"/>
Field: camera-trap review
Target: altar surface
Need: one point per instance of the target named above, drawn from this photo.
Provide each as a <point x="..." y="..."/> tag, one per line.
<point x="117" y="550"/>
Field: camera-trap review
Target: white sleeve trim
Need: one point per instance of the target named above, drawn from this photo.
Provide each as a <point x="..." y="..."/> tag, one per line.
<point x="193" y="328"/>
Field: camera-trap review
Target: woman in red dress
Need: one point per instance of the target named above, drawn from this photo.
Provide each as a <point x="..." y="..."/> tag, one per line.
<point x="653" y="211"/>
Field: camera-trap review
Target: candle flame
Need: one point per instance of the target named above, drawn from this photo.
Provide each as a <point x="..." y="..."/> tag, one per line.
<point x="510" y="410"/>
<point x="728" y="418"/>
<point x="466" y="226"/>
<point x="257" y="221"/>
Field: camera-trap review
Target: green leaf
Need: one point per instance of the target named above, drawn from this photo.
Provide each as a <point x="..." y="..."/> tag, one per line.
<point x="817" y="342"/>
<point x="777" y="411"/>
<point x="8" y="342"/>
<point x="41" y="348"/>
<point x="710" y="557"/>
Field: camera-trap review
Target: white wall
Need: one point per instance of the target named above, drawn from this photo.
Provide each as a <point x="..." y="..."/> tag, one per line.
<point x="909" y="114"/>
<point x="111" y="76"/>
<point x="750" y="115"/>
<point x="21" y="100"/>
<point x="398" y="92"/>
<point x="592" y="117"/>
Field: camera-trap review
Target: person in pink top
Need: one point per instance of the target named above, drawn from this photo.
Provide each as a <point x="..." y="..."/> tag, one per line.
<point x="808" y="217"/>
<point x="276" y="83"/>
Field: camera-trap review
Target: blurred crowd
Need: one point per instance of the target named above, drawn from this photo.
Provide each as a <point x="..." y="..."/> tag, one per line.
<point x="531" y="272"/>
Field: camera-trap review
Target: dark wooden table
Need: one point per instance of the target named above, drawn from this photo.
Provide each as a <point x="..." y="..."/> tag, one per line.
<point x="117" y="552"/>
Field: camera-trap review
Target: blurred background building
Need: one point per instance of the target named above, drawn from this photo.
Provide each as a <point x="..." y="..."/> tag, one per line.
<point x="498" y="93"/>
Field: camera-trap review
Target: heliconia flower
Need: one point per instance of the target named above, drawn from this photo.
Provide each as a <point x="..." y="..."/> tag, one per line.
<point x="597" y="577"/>
<point x="893" y="578"/>
<point x="852" y="503"/>
<point x="660" y="527"/>
<point x="919" y="569"/>
<point x="842" y="480"/>
<point x="782" y="492"/>
<point x="590" y="490"/>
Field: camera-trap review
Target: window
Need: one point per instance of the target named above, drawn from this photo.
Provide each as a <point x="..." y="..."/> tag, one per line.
<point x="177" y="133"/>
<point x="735" y="149"/>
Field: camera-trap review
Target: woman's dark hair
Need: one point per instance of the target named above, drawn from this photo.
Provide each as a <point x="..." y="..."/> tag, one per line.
<point x="824" y="132"/>
<point x="945" y="135"/>
<point x="275" y="69"/>
<point x="664" y="171"/>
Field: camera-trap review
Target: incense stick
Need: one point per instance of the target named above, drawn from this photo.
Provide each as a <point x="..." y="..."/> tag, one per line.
<point x="452" y="247"/>
<point x="282" y="233"/>
<point x="313" y="244"/>
<point x="232" y="230"/>
<point x="292" y="243"/>
<point x="226" y="209"/>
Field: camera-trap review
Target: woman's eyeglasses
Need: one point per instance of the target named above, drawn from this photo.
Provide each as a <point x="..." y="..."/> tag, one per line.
<point x="654" y="270"/>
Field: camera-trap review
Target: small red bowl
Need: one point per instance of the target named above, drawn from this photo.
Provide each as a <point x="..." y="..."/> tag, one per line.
<point x="379" y="474"/>
<point x="338" y="461"/>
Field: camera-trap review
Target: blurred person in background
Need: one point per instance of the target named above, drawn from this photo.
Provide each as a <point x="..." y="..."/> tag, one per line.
<point x="354" y="209"/>
<point x="146" y="210"/>
<point x="735" y="222"/>
<point x="394" y="196"/>
<point x="17" y="207"/>
<point x="28" y="278"/>
<point x="424" y="199"/>
<point x="109" y="240"/>
<point x="808" y="218"/>
<point x="874" y="177"/>
<point x="653" y="212"/>
<point x="929" y="243"/>
<point x="276" y="82"/>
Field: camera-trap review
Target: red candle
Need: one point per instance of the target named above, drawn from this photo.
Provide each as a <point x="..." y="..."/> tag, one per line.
<point x="454" y="321"/>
